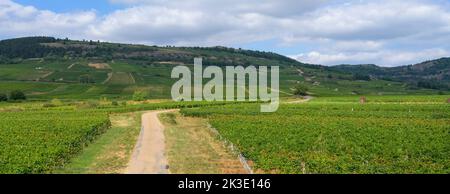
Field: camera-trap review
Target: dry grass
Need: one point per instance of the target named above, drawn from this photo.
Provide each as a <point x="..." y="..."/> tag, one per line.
<point x="170" y="63"/>
<point x="192" y="148"/>
<point x="111" y="152"/>
<point x="99" y="65"/>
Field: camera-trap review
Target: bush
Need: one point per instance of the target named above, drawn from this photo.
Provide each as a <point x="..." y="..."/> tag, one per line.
<point x="301" y="90"/>
<point x="139" y="96"/>
<point x="17" y="95"/>
<point x="88" y="105"/>
<point x="114" y="103"/>
<point x="361" y="77"/>
<point x="3" y="97"/>
<point x="104" y="101"/>
<point x="48" y="105"/>
<point x="57" y="102"/>
<point x="432" y="84"/>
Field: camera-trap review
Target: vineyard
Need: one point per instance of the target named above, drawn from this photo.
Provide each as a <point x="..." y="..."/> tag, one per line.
<point x="36" y="139"/>
<point x="385" y="136"/>
<point x="327" y="135"/>
<point x="39" y="141"/>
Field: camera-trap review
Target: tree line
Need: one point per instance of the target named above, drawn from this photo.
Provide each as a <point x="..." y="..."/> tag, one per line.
<point x="14" y="96"/>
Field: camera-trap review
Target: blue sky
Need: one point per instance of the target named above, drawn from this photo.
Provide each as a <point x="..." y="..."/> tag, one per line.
<point x="329" y="32"/>
<point x="101" y="6"/>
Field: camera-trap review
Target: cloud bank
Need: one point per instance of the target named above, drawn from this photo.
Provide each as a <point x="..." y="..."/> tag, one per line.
<point x="383" y="32"/>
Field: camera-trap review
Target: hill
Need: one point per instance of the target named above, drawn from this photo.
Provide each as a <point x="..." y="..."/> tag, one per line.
<point x="434" y="74"/>
<point x="46" y="68"/>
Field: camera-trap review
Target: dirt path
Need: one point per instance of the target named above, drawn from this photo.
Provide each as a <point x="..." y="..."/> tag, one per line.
<point x="305" y="99"/>
<point x="45" y="75"/>
<point x="133" y="81"/>
<point x="70" y="66"/>
<point x="108" y="78"/>
<point x="149" y="153"/>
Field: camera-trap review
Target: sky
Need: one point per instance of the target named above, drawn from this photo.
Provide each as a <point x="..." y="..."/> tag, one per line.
<point x="327" y="32"/>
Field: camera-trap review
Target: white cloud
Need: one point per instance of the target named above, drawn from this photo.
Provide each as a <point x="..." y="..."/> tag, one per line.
<point x="265" y="7"/>
<point x="200" y="22"/>
<point x="17" y="20"/>
<point x="377" y="20"/>
<point x="152" y="24"/>
<point x="386" y="58"/>
<point x="389" y="32"/>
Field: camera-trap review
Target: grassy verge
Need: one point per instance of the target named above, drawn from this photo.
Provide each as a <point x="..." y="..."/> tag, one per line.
<point x="110" y="153"/>
<point x="192" y="148"/>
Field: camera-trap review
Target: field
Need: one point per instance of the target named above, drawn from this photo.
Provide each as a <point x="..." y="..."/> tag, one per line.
<point x="80" y="79"/>
<point x="38" y="141"/>
<point x="83" y="79"/>
<point x="339" y="135"/>
<point x="388" y="134"/>
<point x="38" y="137"/>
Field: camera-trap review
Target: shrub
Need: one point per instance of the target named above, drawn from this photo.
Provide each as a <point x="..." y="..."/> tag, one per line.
<point x="139" y="96"/>
<point x="3" y="97"/>
<point x="48" y="105"/>
<point x="57" y="102"/>
<point x="361" y="77"/>
<point x="104" y="101"/>
<point x="88" y="105"/>
<point x="17" y="95"/>
<point x="301" y="90"/>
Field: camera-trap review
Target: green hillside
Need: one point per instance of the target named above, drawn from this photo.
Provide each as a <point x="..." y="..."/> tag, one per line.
<point x="434" y="74"/>
<point x="46" y="68"/>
